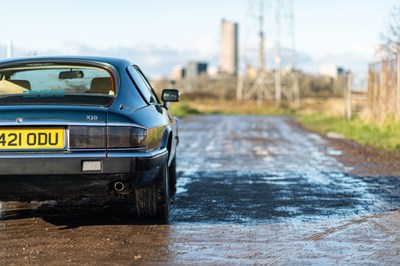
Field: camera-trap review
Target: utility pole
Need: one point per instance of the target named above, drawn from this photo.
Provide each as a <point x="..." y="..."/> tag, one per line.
<point x="258" y="89"/>
<point x="273" y="83"/>
<point x="347" y="95"/>
<point x="398" y="79"/>
<point x="278" y="56"/>
<point x="261" y="59"/>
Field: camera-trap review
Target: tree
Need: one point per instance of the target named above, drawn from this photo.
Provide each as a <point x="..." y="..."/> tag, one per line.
<point x="391" y="37"/>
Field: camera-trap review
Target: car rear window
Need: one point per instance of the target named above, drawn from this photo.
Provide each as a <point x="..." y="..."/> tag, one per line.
<point x="49" y="83"/>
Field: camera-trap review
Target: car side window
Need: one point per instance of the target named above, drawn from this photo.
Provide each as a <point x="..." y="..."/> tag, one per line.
<point x="143" y="85"/>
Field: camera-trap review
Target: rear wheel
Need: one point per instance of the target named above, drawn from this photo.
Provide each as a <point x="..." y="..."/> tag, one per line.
<point x="172" y="177"/>
<point x="153" y="201"/>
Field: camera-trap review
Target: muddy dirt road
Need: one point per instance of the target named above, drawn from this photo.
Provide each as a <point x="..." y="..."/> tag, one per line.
<point x="251" y="190"/>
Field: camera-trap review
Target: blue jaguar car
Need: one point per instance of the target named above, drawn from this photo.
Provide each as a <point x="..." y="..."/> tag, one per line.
<point x="78" y="127"/>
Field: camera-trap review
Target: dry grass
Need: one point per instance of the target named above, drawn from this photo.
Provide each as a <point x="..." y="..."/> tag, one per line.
<point x="328" y="106"/>
<point x="216" y="106"/>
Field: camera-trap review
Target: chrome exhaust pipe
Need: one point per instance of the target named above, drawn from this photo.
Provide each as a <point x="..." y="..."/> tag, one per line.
<point x="122" y="187"/>
<point x="119" y="187"/>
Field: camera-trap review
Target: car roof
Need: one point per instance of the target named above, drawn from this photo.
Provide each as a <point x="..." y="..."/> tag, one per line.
<point x="117" y="62"/>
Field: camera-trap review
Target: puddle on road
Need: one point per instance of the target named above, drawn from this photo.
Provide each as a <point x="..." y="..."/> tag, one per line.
<point x="288" y="209"/>
<point x="254" y="198"/>
<point x="182" y="183"/>
<point x="271" y="144"/>
<point x="333" y="152"/>
<point x="270" y="172"/>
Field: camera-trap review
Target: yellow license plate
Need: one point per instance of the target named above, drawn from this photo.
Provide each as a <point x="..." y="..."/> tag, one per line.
<point x="32" y="138"/>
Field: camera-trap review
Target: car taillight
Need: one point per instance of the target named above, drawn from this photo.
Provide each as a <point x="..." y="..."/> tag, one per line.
<point x="98" y="137"/>
<point x="126" y="137"/>
<point x="81" y="137"/>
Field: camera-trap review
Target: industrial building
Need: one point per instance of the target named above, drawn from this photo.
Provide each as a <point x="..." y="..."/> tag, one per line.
<point x="195" y="69"/>
<point x="229" y="48"/>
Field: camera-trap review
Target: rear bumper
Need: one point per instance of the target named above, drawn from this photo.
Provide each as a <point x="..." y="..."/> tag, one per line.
<point x="52" y="176"/>
<point x="71" y="164"/>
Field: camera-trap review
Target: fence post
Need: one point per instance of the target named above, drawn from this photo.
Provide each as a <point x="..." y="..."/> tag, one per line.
<point x="347" y="95"/>
<point x="398" y="79"/>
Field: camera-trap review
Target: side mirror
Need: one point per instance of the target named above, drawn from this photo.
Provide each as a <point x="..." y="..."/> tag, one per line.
<point x="169" y="95"/>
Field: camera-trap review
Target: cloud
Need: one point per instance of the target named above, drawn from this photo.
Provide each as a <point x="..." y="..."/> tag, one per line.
<point x="353" y="60"/>
<point x="356" y="61"/>
<point x="156" y="61"/>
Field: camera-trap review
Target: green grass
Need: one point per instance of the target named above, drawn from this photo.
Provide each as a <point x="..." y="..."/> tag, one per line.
<point x="183" y="109"/>
<point x="385" y="136"/>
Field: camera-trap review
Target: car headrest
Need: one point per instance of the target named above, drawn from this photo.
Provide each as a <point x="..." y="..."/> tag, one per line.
<point x="22" y="83"/>
<point x="101" y="85"/>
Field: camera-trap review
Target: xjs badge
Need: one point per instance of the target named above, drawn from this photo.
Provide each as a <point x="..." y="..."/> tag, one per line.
<point x="91" y="117"/>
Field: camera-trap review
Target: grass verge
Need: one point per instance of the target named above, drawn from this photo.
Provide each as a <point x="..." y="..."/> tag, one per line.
<point x="182" y="109"/>
<point x="321" y="116"/>
<point x="385" y="136"/>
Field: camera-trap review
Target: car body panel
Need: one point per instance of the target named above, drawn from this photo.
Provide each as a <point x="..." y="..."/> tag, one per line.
<point x="50" y="113"/>
<point x="39" y="174"/>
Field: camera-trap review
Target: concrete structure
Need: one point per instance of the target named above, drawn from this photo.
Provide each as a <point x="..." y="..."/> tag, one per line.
<point x="195" y="69"/>
<point x="229" y="48"/>
<point x="332" y="71"/>
<point x="178" y="73"/>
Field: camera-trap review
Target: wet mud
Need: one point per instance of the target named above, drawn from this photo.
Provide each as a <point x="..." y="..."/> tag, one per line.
<point x="251" y="190"/>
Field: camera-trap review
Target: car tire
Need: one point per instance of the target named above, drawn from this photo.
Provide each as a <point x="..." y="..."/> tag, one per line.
<point x="172" y="177"/>
<point x="153" y="201"/>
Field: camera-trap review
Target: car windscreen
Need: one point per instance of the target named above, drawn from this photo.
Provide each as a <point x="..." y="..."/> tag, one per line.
<point x="49" y="83"/>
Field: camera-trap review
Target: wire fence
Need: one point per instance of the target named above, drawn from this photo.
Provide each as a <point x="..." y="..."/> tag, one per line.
<point x="383" y="91"/>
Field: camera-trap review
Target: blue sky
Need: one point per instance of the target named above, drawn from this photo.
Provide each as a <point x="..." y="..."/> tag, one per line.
<point x="159" y="34"/>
